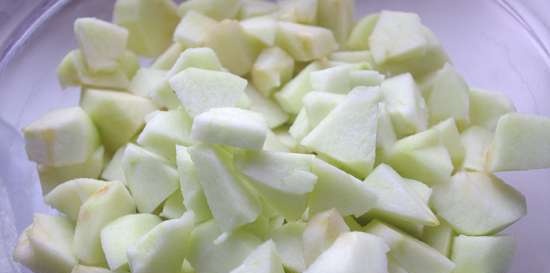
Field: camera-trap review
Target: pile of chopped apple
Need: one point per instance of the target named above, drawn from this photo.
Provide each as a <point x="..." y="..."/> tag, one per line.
<point x="273" y="137"/>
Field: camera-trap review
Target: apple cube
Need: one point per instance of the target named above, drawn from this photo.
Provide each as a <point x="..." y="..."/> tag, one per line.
<point x="458" y="203"/>
<point x="483" y="254"/>
<point x="318" y="105"/>
<point x="118" y="116"/>
<point x="141" y="167"/>
<point x="305" y="43"/>
<point x="283" y="179"/>
<point x="217" y="9"/>
<point x="476" y="141"/>
<point x="61" y="137"/>
<point x="300" y="127"/>
<point x="273" y="143"/>
<point x="193" y="28"/>
<point x="102" y="43"/>
<point x="229" y="199"/>
<point x="230" y="126"/>
<point x="517" y="135"/>
<point x="91" y="269"/>
<point x="353" y="252"/>
<point x="173" y="206"/>
<point x="200" y="90"/>
<point x="365" y="78"/>
<point x="262" y="29"/>
<point x="385" y="133"/>
<point x="164" y="130"/>
<point x="122" y="233"/>
<point x="113" y="170"/>
<point x="102" y="207"/>
<point x="450" y="138"/>
<point x="396" y="201"/>
<point x="145" y="80"/>
<point x="272" y="69"/>
<point x="193" y="194"/>
<point x="46" y="246"/>
<point x="430" y="165"/>
<point x="340" y="190"/>
<point x="334" y="79"/>
<point x="337" y="15"/>
<point x="448" y="97"/>
<point x="357" y="115"/>
<point x="409" y="253"/>
<point x="358" y="57"/>
<point x="298" y="11"/>
<point x="69" y="196"/>
<point x="256" y="8"/>
<point x="264" y="259"/>
<point x="291" y="95"/>
<point x="163" y="248"/>
<point x="321" y="231"/>
<point x="168" y="58"/>
<point x="405" y="104"/>
<point x="359" y="37"/>
<point x="289" y="244"/>
<point x="487" y="107"/>
<point x="150" y="24"/>
<point x="439" y="237"/>
<point x="229" y="252"/>
<point x="270" y="110"/>
<point x="50" y="176"/>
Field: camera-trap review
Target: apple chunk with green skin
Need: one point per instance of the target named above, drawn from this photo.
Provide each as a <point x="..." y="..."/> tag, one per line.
<point x="193" y="194"/>
<point x="263" y="259"/>
<point x="200" y="90"/>
<point x="145" y="80"/>
<point x="230" y="126"/>
<point x="340" y="190"/>
<point x="337" y="16"/>
<point x="291" y="95"/>
<point x="113" y="170"/>
<point x="231" y="203"/>
<point x="151" y="179"/>
<point x="487" y="107"/>
<point x="46" y="246"/>
<point x="261" y="29"/>
<point x="439" y="237"/>
<point x="90" y="269"/>
<point x="359" y="37"/>
<point x="69" y="196"/>
<point x="173" y="206"/>
<point x="150" y="24"/>
<point x="483" y="254"/>
<point x="321" y="231"/>
<point x="163" y="248"/>
<point x="517" y="135"/>
<point x="193" y="28"/>
<point x="122" y="233"/>
<point x="298" y="11"/>
<point x="318" y="105"/>
<point x="289" y="244"/>
<point x="283" y="179"/>
<point x="357" y="115"/>
<point x="167" y="59"/>
<point x="61" y="137"/>
<point x="217" y="9"/>
<point x="303" y="42"/>
<point x="102" y="43"/>
<point x="254" y="9"/>
<point x="270" y="110"/>
<point x="50" y="177"/>
<point x="229" y="252"/>
<point x="476" y="141"/>
<point x="272" y="69"/>
<point x="353" y="252"/>
<point x="102" y="207"/>
<point x="409" y="253"/>
<point x="118" y="116"/>
<point x="478" y="203"/>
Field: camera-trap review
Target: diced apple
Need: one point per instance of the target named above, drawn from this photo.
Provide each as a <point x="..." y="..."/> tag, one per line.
<point x="299" y="11"/>
<point x="118" y="116"/>
<point x="318" y="105"/>
<point x="448" y="97"/>
<point x="200" y="90"/>
<point x="300" y="127"/>
<point x="256" y="8"/>
<point x="359" y="37"/>
<point x="150" y="24"/>
<point x="450" y="138"/>
<point x="102" y="43"/>
<point x="334" y="79"/>
<point x="353" y="252"/>
<point x="291" y="95"/>
<point x="273" y="143"/>
<point x="102" y="207"/>
<point x="151" y="179"/>
<point x="113" y="170"/>
<point x="168" y="58"/>
<point x="173" y="206"/>
<point x="409" y="253"/>
<point x="231" y="203"/>
<point x="476" y="141"/>
<point x="487" y="107"/>
<point x="396" y="201"/>
<point x="365" y="78"/>
<point x="352" y="223"/>
<point x="193" y="28"/>
<point x="478" y="203"/>
<point x="164" y="130"/>
<point x="61" y="137"/>
<point x="217" y="9"/>
<point x="385" y="133"/>
<point x="193" y="194"/>
<point x="430" y="165"/>
<point x="90" y="269"/>
<point x="362" y="57"/>
<point x="122" y="233"/>
<point x="289" y="244"/>
<point x="145" y="80"/>
<point x="405" y="104"/>
<point x="261" y="29"/>
<point x="321" y="231"/>
<point x="228" y="252"/>
<point x="337" y="15"/>
<point x="264" y="259"/>
<point x="303" y="42"/>
<point x="439" y="237"/>
<point x="357" y="115"/>
<point x="272" y="69"/>
<point x="340" y="190"/>
<point x="484" y="254"/>
<point x="163" y="248"/>
<point x="283" y="179"/>
<point x="520" y="143"/>
<point x="69" y="196"/>
<point x="50" y="177"/>
<point x="394" y="267"/>
<point x="270" y="110"/>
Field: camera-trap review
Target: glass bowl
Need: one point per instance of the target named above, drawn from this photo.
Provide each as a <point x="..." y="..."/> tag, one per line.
<point x="498" y="45"/>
